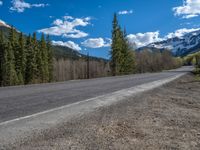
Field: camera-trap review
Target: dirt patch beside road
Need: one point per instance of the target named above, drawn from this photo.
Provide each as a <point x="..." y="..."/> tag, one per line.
<point x="165" y="118"/>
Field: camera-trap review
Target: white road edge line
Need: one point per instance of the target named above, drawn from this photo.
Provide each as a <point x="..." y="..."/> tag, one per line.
<point x="140" y="87"/>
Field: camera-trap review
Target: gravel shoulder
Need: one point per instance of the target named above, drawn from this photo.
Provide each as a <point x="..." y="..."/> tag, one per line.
<point x="165" y="118"/>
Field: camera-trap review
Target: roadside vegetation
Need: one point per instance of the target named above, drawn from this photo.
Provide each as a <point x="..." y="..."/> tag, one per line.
<point x="147" y="61"/>
<point x="194" y="59"/>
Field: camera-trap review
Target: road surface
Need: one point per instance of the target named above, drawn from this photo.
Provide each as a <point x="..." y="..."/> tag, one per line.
<point x="20" y="101"/>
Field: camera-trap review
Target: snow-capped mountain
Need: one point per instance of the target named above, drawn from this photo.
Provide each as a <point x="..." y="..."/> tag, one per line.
<point x="179" y="46"/>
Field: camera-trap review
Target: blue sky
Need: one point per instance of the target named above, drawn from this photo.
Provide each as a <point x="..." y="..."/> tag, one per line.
<point x="86" y="24"/>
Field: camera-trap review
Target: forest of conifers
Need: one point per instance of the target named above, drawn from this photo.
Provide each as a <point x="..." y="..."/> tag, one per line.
<point x="25" y="60"/>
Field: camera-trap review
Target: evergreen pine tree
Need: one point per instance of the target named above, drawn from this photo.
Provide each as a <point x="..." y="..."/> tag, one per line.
<point x="38" y="58"/>
<point x="2" y="49"/>
<point x="20" y="59"/>
<point x="122" y="52"/>
<point x="113" y="46"/>
<point x="123" y="68"/>
<point x="122" y="56"/>
<point x="116" y="47"/>
<point x="12" y="37"/>
<point x="14" y="46"/>
<point x="10" y="76"/>
<point x="45" y="68"/>
<point x="128" y="63"/>
<point x="50" y="58"/>
<point x="30" y="73"/>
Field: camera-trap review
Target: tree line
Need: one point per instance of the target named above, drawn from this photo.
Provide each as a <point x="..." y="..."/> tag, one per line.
<point x="72" y="69"/>
<point x="193" y="59"/>
<point x="24" y="59"/>
<point x="147" y="61"/>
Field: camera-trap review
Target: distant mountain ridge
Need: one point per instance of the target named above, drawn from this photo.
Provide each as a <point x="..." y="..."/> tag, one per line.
<point x="59" y="51"/>
<point x="179" y="46"/>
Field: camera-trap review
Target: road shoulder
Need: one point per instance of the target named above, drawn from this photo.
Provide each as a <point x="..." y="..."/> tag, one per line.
<point x="164" y="118"/>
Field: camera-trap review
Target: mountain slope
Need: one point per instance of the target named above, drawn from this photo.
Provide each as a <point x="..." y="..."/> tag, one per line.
<point x="66" y="52"/>
<point x="3" y="24"/>
<point x="59" y="51"/>
<point x="4" y="27"/>
<point x="179" y="46"/>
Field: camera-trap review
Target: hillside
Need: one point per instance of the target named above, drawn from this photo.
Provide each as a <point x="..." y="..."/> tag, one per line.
<point x="66" y="52"/>
<point x="4" y="28"/>
<point x="59" y="51"/>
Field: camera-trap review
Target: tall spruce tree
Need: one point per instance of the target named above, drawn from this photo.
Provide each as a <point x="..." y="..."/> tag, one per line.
<point x="2" y="49"/>
<point x="12" y="37"/>
<point x="20" y="59"/>
<point x="50" y="58"/>
<point x="10" y="76"/>
<point x="30" y="73"/>
<point x="45" y="68"/>
<point x="128" y="65"/>
<point x="122" y="57"/>
<point x="38" y="58"/>
<point x="121" y="52"/>
<point x="14" y="46"/>
<point x="116" y="47"/>
<point x="113" y="46"/>
<point x="130" y="62"/>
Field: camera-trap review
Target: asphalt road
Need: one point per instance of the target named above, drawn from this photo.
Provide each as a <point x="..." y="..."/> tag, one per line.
<point x="21" y="101"/>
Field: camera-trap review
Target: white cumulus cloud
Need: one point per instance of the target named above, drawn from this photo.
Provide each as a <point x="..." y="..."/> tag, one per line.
<point x="96" y="43"/>
<point x="69" y="44"/>
<point x="181" y="32"/>
<point x="189" y="9"/>
<point x="67" y="27"/>
<point x="143" y="39"/>
<point x="68" y="17"/>
<point x="125" y="12"/>
<point x="20" y="5"/>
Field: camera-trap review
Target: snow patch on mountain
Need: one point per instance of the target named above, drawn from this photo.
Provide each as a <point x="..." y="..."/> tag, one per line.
<point x="178" y="45"/>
